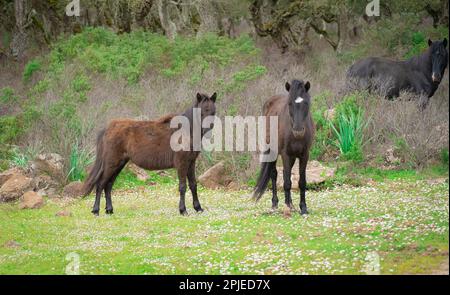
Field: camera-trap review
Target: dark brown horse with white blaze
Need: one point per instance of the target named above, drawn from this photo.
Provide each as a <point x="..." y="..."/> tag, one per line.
<point x="295" y="135"/>
<point x="147" y="144"/>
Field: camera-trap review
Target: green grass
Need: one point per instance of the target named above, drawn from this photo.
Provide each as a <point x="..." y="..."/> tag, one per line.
<point x="404" y="221"/>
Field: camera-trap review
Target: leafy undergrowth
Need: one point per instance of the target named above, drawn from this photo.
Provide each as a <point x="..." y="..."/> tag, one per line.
<point x="403" y="222"/>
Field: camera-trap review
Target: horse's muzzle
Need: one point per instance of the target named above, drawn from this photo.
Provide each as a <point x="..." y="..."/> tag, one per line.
<point x="299" y="134"/>
<point x="435" y="78"/>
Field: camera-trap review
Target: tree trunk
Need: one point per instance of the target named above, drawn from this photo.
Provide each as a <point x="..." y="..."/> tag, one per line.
<point x="123" y="17"/>
<point x="209" y="17"/>
<point x="167" y="24"/>
<point x="342" y="28"/>
<point x="19" y="43"/>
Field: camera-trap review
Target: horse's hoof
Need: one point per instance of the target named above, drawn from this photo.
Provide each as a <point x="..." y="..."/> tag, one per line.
<point x="274" y="207"/>
<point x="109" y="211"/>
<point x="183" y="212"/>
<point x="199" y="209"/>
<point x="304" y="212"/>
<point x="95" y="212"/>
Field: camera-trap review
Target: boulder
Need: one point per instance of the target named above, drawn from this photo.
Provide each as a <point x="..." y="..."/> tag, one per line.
<point x="51" y="164"/>
<point x="4" y="176"/>
<point x="140" y="173"/>
<point x="389" y="156"/>
<point x="31" y="200"/>
<point x="234" y="186"/>
<point x="73" y="190"/>
<point x="215" y="176"/>
<point x="15" y="187"/>
<point x="46" y="186"/>
<point x="316" y="173"/>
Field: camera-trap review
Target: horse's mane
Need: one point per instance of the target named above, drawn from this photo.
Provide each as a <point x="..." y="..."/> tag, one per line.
<point x="421" y="61"/>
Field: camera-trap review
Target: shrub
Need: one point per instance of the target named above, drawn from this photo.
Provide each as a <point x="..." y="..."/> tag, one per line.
<point x="78" y="161"/>
<point x="444" y="157"/>
<point x="30" y="68"/>
<point x="20" y="158"/>
<point x="9" y="129"/>
<point x="349" y="133"/>
<point x="7" y="96"/>
<point x="323" y="134"/>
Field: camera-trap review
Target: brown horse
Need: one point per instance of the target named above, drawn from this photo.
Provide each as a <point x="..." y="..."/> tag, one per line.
<point x="147" y="144"/>
<point x="295" y="135"/>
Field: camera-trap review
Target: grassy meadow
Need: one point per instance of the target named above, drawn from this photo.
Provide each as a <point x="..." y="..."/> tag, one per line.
<point x="403" y="221"/>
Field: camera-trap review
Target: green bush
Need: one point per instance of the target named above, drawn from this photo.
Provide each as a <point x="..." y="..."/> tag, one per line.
<point x="323" y="134"/>
<point x="7" y="96"/>
<point x="78" y="161"/>
<point x="129" y="55"/>
<point x="349" y="133"/>
<point x="10" y="129"/>
<point x="444" y="157"/>
<point x="30" y="68"/>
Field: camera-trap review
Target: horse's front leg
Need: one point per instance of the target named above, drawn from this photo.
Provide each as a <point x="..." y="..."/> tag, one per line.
<point x="302" y="183"/>
<point x="193" y="187"/>
<point x="288" y="162"/>
<point x="182" y="171"/>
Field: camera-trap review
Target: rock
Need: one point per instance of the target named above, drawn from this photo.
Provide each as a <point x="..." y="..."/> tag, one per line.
<point x="316" y="173"/>
<point x="46" y="186"/>
<point x="12" y="244"/>
<point x="390" y="157"/>
<point x="4" y="176"/>
<point x="64" y="213"/>
<point x="31" y="200"/>
<point x="50" y="192"/>
<point x="330" y="114"/>
<point x="140" y="173"/>
<point x="215" y="176"/>
<point x="15" y="187"/>
<point x="51" y="164"/>
<point x="73" y="190"/>
<point x="234" y="186"/>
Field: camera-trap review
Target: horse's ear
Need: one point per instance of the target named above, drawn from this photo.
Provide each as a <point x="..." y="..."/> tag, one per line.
<point x="288" y="86"/>
<point x="445" y="42"/>
<point x="213" y="97"/>
<point x="430" y="42"/>
<point x="307" y="86"/>
<point x="199" y="97"/>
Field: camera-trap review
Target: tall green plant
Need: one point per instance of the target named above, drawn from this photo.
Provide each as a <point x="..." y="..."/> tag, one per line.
<point x="350" y="133"/>
<point x="78" y="161"/>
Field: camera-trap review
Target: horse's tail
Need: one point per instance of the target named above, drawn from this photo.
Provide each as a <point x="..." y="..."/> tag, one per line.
<point x="97" y="170"/>
<point x="263" y="179"/>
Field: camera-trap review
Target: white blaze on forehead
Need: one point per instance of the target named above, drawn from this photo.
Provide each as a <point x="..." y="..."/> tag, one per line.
<point x="299" y="99"/>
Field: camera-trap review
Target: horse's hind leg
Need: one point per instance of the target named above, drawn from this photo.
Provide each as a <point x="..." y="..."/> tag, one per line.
<point x="98" y="195"/>
<point x="273" y="177"/>
<point x="108" y="188"/>
<point x="193" y="187"/>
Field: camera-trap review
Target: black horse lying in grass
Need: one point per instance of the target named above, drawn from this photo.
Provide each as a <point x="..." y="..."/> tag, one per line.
<point x="419" y="74"/>
<point x="295" y="135"/>
<point x="147" y="144"/>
